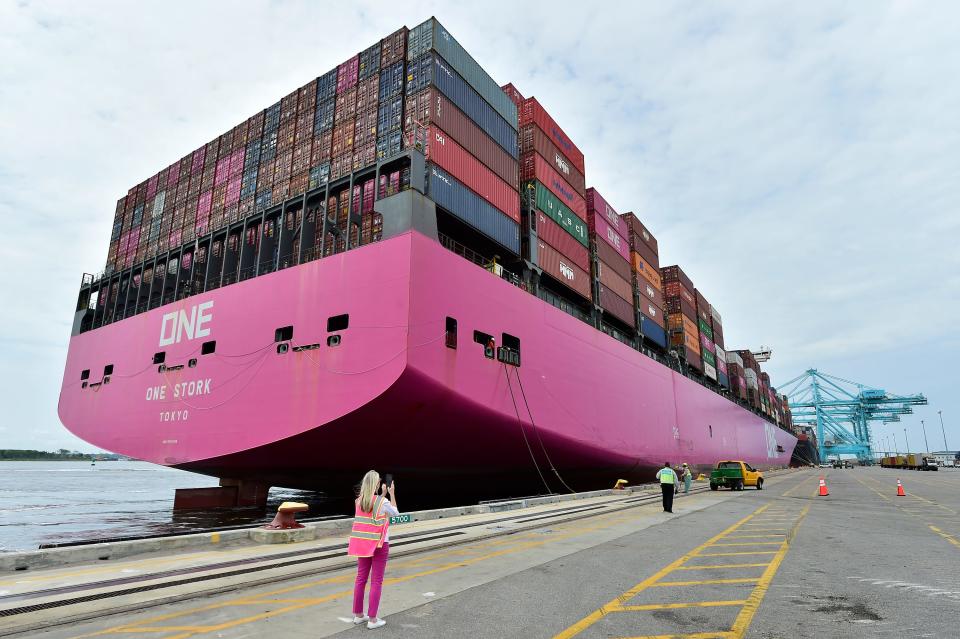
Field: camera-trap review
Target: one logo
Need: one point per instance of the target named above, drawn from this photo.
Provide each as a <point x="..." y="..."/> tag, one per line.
<point x="180" y="324"/>
<point x="651" y="293"/>
<point x="442" y="178"/>
<point x="440" y="139"/>
<point x="612" y="215"/>
<point x="614" y="237"/>
<point x="562" y="164"/>
<point x="646" y="235"/>
<point x="771" y="433"/>
<point x="566" y="271"/>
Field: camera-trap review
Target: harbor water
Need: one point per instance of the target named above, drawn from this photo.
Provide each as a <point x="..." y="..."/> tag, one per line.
<point x="51" y="502"/>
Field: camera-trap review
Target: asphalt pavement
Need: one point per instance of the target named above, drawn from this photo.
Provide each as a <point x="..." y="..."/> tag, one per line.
<point x="781" y="562"/>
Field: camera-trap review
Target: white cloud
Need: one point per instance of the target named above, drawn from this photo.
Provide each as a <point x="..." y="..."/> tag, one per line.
<point x="798" y="160"/>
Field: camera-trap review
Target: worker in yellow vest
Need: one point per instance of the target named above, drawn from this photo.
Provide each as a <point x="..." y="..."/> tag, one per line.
<point x="668" y="483"/>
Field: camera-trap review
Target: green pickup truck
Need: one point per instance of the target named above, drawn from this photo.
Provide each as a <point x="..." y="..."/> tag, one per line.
<point x="735" y="475"/>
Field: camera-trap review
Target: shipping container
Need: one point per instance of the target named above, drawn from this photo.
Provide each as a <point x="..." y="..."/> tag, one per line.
<point x="515" y="96"/>
<point x="393" y="48"/>
<point x="431" y="107"/>
<point x="615" y="305"/>
<point x="647" y="291"/>
<point x="653" y="331"/>
<point x="676" y="304"/>
<point x="734" y="358"/>
<point x="597" y="205"/>
<point x="607" y="253"/>
<point x="561" y="240"/>
<point x="431" y="35"/>
<point x="606" y="233"/>
<point x="646" y="271"/>
<point x="646" y="253"/>
<point x="675" y="273"/>
<point x="608" y="277"/>
<point x="676" y="289"/>
<point x="532" y="112"/>
<point x="639" y="234"/>
<point x="391" y="81"/>
<point x="534" y="140"/>
<point x="534" y="167"/>
<point x="721" y="359"/>
<point x="541" y="198"/>
<point x="432" y="70"/>
<point x="454" y="159"/>
<point x="703" y="306"/>
<point x="654" y="313"/>
<point x="563" y="270"/>
<point x="463" y="203"/>
<point x="347" y="74"/>
<point x="709" y="370"/>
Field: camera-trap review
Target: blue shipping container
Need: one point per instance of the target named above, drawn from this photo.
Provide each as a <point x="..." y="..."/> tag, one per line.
<point x="391" y="81"/>
<point x="432" y="35"/>
<point x="323" y="119"/>
<point x="723" y="379"/>
<point x="463" y="203"/>
<point x="652" y="332"/>
<point x="431" y="69"/>
<point x="326" y="86"/>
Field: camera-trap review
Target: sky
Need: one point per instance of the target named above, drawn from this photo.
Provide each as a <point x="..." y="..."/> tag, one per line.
<point x="800" y="161"/>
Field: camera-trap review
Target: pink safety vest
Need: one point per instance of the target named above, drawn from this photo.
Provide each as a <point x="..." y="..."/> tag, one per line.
<point x="369" y="529"/>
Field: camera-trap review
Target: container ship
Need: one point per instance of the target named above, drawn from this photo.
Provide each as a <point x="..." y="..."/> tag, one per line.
<point x="399" y="266"/>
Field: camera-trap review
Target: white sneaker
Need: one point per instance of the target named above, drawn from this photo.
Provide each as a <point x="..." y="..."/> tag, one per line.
<point x="376" y="624"/>
<point x="360" y="620"/>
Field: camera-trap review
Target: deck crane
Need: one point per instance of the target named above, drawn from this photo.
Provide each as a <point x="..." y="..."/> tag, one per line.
<point x="843" y="410"/>
<point x="762" y="355"/>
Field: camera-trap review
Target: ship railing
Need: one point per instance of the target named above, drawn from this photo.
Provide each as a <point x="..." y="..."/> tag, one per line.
<point x="247" y="273"/>
<point x="266" y="266"/>
<point x="490" y="265"/>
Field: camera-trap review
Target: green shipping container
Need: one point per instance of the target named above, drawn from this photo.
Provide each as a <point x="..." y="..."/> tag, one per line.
<point x="709" y="358"/>
<point x="705" y="328"/>
<point x="557" y="211"/>
<point x="432" y="35"/>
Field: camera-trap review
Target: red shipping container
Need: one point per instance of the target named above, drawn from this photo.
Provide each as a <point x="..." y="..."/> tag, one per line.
<point x="534" y="140"/>
<point x="610" y="279"/>
<point x="393" y="48"/>
<point x="703" y="306"/>
<point x="676" y="289"/>
<point x="693" y="360"/>
<point x="675" y="273"/>
<point x="649" y="292"/>
<point x="173" y="176"/>
<point x="563" y="270"/>
<point x="152" y="186"/>
<point x="617" y="306"/>
<point x="430" y="106"/>
<point x="531" y="112"/>
<point x="222" y="171"/>
<point x="640" y="234"/>
<point x="600" y="207"/>
<point x="347" y="74"/>
<point x="606" y="253"/>
<point x="644" y="251"/>
<point x="450" y="156"/>
<point x="514" y="95"/>
<point x="680" y="305"/>
<point x="564" y="243"/>
<point x="532" y="166"/>
<point x="606" y="233"/>
<point x="654" y="313"/>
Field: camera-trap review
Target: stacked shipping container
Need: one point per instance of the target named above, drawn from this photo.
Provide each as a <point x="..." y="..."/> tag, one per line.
<point x="610" y="237"/>
<point x="554" y="212"/>
<point x="707" y="349"/>
<point x="682" y="314"/>
<point x="646" y="281"/>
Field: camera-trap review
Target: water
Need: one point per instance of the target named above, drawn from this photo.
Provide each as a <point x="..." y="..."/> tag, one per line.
<point x="56" y="502"/>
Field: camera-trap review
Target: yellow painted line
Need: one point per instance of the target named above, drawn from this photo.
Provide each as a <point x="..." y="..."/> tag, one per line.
<point x="719" y="566"/>
<point x="166" y="629"/>
<point x="606" y="521"/>
<point x="745" y="617"/>
<point x="950" y="538"/>
<point x="733" y="554"/>
<point x="671" y="606"/>
<point x="756" y="536"/>
<point x="603" y="610"/>
<point x="721" y="634"/>
<point x="751" y="543"/>
<point x="741" y="580"/>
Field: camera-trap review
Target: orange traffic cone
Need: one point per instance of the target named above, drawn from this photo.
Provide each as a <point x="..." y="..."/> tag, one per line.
<point x="823" y="488"/>
<point x="900" y="491"/>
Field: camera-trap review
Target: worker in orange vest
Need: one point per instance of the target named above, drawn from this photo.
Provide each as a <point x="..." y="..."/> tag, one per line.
<point x="370" y="543"/>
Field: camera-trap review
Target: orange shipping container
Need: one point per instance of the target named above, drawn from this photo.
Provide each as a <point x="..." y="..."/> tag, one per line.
<point x="649" y="273"/>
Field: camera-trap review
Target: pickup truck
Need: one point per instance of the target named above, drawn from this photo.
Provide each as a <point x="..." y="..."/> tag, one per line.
<point x="735" y="475"/>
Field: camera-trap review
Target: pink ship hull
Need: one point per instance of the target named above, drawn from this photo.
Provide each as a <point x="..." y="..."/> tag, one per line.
<point x="392" y="395"/>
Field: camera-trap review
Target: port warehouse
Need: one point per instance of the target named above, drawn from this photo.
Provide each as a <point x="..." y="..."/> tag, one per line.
<point x="298" y="181"/>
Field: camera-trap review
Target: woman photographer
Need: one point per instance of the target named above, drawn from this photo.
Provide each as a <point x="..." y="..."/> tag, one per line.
<point x="370" y="543"/>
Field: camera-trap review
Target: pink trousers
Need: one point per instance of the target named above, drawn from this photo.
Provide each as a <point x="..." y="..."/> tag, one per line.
<point x="372" y="568"/>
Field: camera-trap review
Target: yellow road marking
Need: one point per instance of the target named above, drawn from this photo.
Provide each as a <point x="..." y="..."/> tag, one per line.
<point x="722" y="634"/>
<point x="745" y="618"/>
<point x="603" y="610"/>
<point x="739" y="580"/>
<point x="167" y="629"/>
<point x="670" y="606"/>
<point x="950" y="538"/>
<point x="756" y="536"/>
<point x="751" y="543"/>
<point x="718" y="566"/>
<point x="733" y="554"/>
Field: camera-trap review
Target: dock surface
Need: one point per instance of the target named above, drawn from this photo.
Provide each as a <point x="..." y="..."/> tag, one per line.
<point x="781" y="562"/>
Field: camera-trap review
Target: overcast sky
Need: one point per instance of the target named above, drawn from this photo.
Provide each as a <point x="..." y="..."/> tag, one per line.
<point x="801" y="161"/>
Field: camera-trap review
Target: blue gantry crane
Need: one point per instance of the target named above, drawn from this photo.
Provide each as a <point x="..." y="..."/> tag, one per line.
<point x="842" y="411"/>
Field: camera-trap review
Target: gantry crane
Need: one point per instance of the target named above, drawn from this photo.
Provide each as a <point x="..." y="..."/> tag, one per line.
<point x="844" y="411"/>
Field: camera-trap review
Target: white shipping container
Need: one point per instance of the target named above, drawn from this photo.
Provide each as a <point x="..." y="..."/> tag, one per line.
<point x="715" y="314"/>
<point x="710" y="371"/>
<point x="720" y="353"/>
<point x="734" y="358"/>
